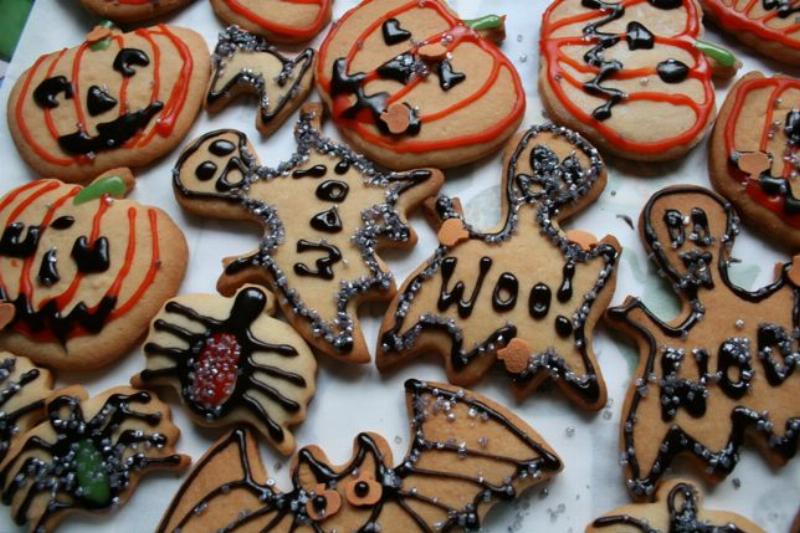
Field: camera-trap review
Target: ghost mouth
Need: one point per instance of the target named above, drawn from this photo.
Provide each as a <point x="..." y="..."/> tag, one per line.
<point x="110" y="135"/>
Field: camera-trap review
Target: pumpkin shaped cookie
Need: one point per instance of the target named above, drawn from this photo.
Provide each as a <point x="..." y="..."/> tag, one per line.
<point x="117" y="99"/>
<point x="612" y="70"/>
<point x="132" y="10"/>
<point x="83" y="269"/>
<point x="410" y="84"/>
<point x="281" y="21"/>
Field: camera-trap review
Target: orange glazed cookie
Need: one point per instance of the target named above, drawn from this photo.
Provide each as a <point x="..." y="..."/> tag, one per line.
<point x="281" y="21"/>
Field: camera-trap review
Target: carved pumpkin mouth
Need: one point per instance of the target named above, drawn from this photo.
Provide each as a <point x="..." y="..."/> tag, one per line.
<point x="111" y="134"/>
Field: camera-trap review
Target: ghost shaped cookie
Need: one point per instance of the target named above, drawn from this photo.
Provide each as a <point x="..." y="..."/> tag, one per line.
<point x="612" y="70"/>
<point x="754" y="160"/>
<point x="83" y="270"/>
<point x="325" y="213"/>
<point x="88" y="456"/>
<point x="410" y="84"/>
<point x="467" y="453"/>
<point x="280" y="21"/>
<point x="231" y="362"/>
<point x="117" y="99"/>
<point x="724" y="367"/>
<point x="245" y="63"/>
<point x="678" y="507"/>
<point x="480" y="298"/>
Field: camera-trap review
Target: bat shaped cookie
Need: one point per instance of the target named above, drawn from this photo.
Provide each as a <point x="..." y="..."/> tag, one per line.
<point x="527" y="294"/>
<point x="243" y="62"/>
<point x="466" y="454"/>
<point x="678" y="508"/>
<point x="725" y="367"/>
<point x="325" y="213"/>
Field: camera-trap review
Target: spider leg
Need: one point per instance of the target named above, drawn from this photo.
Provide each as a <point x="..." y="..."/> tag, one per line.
<point x="174" y="354"/>
<point x="148" y="374"/>
<point x="279" y="373"/>
<point x="14" y="388"/>
<point x="190" y="314"/>
<point x="24" y="410"/>
<point x="54" y="507"/>
<point x="275" y="395"/>
<point x="75" y="411"/>
<point x="136" y="436"/>
<point x="275" y="431"/>
<point x="173" y="329"/>
<point x="142" y="462"/>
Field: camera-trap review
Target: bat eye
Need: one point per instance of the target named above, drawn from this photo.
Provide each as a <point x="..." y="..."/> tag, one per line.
<point x="324" y="504"/>
<point x="363" y="491"/>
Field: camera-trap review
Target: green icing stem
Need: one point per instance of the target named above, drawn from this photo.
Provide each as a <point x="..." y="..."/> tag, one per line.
<point x="487" y="22"/>
<point x="110" y="185"/>
<point x="92" y="475"/>
<point x="721" y="55"/>
<point x="103" y="43"/>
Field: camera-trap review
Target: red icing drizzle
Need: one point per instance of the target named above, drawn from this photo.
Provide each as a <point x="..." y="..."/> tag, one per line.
<point x="21" y="204"/>
<point x="744" y="20"/>
<point x="164" y="122"/>
<point x="306" y="32"/>
<point x="551" y="49"/>
<point x="779" y="85"/>
<point x="459" y="34"/>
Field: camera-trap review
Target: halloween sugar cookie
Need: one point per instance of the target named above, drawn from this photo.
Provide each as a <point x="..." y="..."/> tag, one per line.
<point x="480" y="298"/>
<point x="678" y="507"/>
<point x="117" y="99"/>
<point x="88" y="456"/>
<point x="23" y="389"/>
<point x="754" y="159"/>
<point x="768" y="26"/>
<point x="725" y="367"/>
<point x="466" y="454"/>
<point x="325" y="213"/>
<point x="411" y="84"/>
<point x="83" y="270"/>
<point x="282" y="21"/>
<point x="612" y="70"/>
<point x="232" y="362"/>
<point x="243" y="62"/>
<point x="132" y="10"/>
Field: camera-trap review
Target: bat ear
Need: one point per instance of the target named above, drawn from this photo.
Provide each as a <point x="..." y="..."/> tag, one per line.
<point x="552" y="167"/>
<point x="216" y="167"/>
<point x="228" y="463"/>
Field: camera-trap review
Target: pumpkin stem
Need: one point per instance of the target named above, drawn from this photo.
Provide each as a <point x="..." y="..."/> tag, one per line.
<point x="491" y="27"/>
<point x="722" y="60"/>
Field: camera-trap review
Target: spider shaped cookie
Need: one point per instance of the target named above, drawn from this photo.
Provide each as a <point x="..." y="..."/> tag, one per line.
<point x="88" y="455"/>
<point x="528" y="293"/>
<point x="232" y="362"/>
<point x="467" y="453"/>
<point x="725" y="367"/>
<point x="325" y="213"/>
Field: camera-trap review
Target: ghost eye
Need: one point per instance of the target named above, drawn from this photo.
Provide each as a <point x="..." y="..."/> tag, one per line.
<point x="674" y="221"/>
<point x="363" y="491"/>
<point x="701" y="234"/>
<point x="324" y="504"/>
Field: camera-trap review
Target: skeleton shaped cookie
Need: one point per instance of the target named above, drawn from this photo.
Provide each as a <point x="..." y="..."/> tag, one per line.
<point x="325" y="212"/>
<point x="527" y="293"/>
<point x="724" y="367"/>
<point x="244" y="62"/>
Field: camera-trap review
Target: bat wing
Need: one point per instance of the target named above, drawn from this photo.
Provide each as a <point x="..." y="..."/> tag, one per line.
<point x="227" y="490"/>
<point x="467" y="452"/>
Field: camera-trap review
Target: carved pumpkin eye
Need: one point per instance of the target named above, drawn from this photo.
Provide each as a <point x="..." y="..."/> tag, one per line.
<point x="363" y="491"/>
<point x="323" y="504"/>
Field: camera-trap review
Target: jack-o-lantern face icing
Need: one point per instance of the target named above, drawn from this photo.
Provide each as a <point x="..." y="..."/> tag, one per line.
<point x="411" y="84"/>
<point x="479" y="298"/>
<point x="678" y="507"/>
<point x="726" y="367"/>
<point x="282" y="21"/>
<point x="84" y="269"/>
<point x="244" y="62"/>
<point x="466" y="454"/>
<point x="768" y="26"/>
<point x="755" y="154"/>
<point x="88" y="456"/>
<point x="132" y="10"/>
<point x="232" y="362"/>
<point x="613" y="69"/>
<point x="324" y="212"/>
<point x="118" y="99"/>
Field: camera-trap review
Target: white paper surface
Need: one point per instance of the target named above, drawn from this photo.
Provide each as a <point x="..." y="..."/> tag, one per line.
<point x="349" y="400"/>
